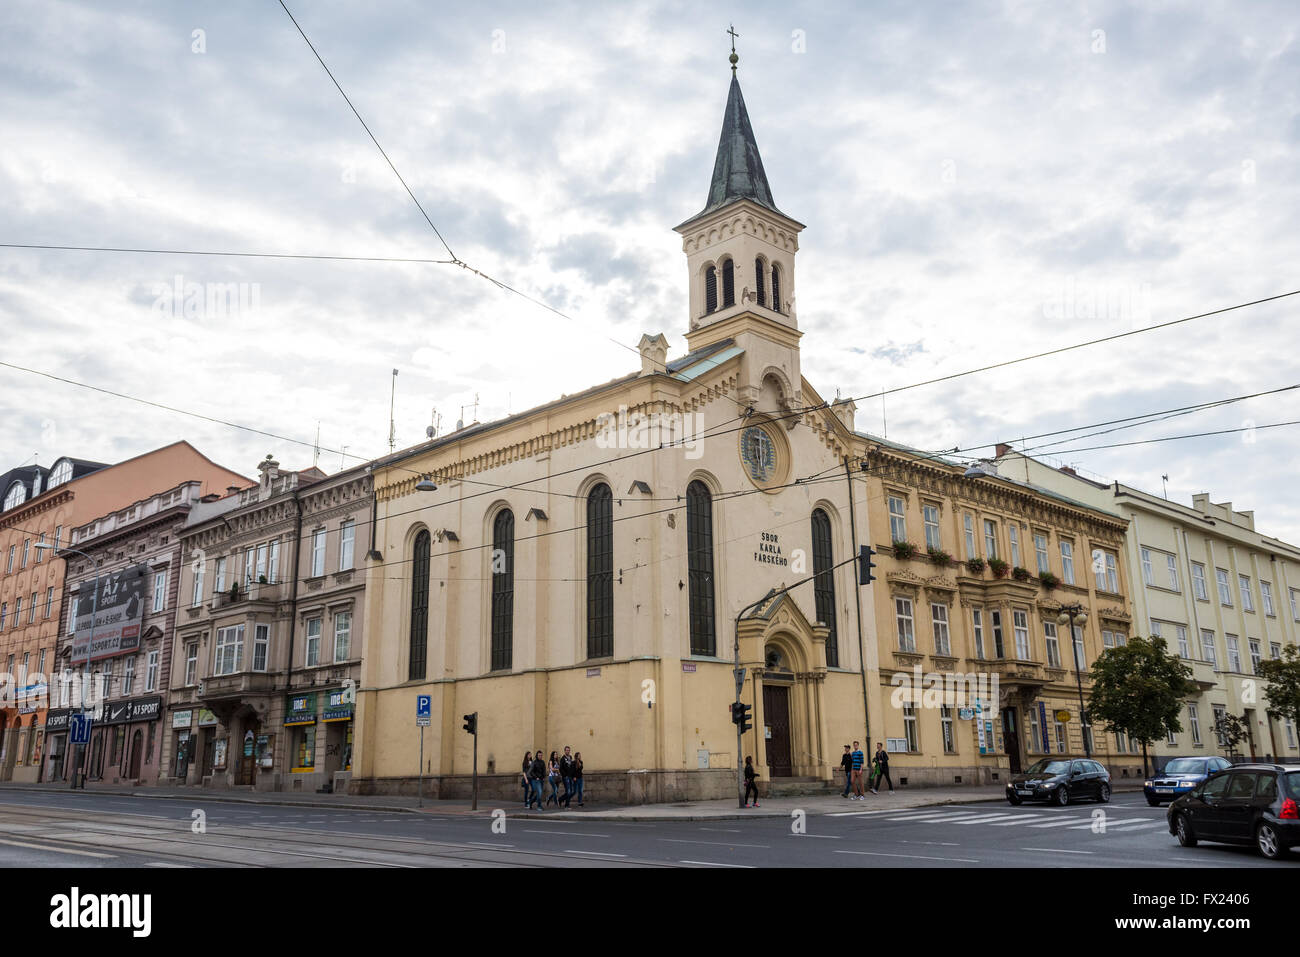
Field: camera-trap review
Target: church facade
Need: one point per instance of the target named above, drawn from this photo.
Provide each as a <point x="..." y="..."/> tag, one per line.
<point x="577" y="575"/>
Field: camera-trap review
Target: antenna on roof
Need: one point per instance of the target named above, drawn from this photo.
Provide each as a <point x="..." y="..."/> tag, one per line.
<point x="435" y="423"/>
<point x="1164" y="480"/>
<point x="315" y="449"/>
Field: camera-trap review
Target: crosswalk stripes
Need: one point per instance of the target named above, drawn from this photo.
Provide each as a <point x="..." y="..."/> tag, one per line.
<point x="1079" y="818"/>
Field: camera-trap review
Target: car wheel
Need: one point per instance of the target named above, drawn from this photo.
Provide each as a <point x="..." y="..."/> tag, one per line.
<point x="1269" y="842"/>
<point x="1154" y="802"/>
<point x="1103" y="793"/>
<point x="1013" y="800"/>
<point x="1062" y="796"/>
<point x="1183" y="828"/>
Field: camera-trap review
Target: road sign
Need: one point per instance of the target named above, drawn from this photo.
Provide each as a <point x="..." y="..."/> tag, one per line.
<point x="423" y="710"/>
<point x="79" y="726"/>
<point x="1062" y="716"/>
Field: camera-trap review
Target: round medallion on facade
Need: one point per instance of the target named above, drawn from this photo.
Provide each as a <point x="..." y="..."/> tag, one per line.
<point x="764" y="455"/>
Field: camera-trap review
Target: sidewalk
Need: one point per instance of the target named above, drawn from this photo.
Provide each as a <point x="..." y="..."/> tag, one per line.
<point x="721" y="810"/>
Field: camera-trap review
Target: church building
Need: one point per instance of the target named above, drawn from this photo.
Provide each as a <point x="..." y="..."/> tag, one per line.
<point x="581" y="574"/>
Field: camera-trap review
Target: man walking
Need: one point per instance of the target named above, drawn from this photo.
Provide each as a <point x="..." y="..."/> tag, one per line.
<point x="882" y="768"/>
<point x="537" y="775"/>
<point x="566" y="776"/>
<point x="858" y="759"/>
<point x="846" y="765"/>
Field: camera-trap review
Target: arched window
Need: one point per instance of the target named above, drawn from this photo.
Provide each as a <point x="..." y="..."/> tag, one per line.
<point x="824" y="584"/>
<point x="62" y="472"/>
<point x="16" y="495"/>
<point x="760" y="267"/>
<point x="503" y="590"/>
<point x="419" y="608"/>
<point x="776" y="287"/>
<point x="600" y="572"/>
<point x="710" y="290"/>
<point x="728" y="283"/>
<point x="699" y="552"/>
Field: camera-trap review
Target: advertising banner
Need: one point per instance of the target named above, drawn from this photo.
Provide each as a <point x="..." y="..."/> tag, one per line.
<point x="108" y="615"/>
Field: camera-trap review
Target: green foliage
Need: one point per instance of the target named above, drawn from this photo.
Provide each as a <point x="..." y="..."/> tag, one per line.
<point x="975" y="566"/>
<point x="998" y="567"/>
<point x="1138" y="689"/>
<point x="904" y="550"/>
<point x="1283" y="677"/>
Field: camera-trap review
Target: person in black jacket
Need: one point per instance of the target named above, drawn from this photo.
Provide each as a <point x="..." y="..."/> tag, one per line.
<point x="882" y="768"/>
<point x="566" y="776"/>
<point x="846" y="765"/>
<point x="749" y="782"/>
<point x="528" y="788"/>
<point x="577" y="776"/>
<point x="536" y="776"/>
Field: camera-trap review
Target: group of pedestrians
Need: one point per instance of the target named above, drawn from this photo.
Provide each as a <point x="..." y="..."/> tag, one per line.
<point x="854" y="764"/>
<point x="562" y="770"/>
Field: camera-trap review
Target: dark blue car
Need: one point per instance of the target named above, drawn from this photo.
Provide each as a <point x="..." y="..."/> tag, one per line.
<point x="1179" y="776"/>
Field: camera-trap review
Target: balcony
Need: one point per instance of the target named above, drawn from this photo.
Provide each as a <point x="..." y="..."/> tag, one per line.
<point x="1016" y="672"/>
<point x="236" y="686"/>
<point x="267" y="593"/>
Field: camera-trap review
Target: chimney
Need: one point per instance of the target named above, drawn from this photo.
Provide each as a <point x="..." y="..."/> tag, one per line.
<point x="1001" y="450"/>
<point x="1069" y="471"/>
<point x="654" y="350"/>
<point x="210" y="497"/>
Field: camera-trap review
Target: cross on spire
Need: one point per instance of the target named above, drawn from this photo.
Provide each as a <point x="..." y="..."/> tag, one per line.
<point x="731" y="29"/>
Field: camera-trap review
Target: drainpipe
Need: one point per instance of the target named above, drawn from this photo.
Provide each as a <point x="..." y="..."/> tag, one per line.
<point x="293" y="588"/>
<point x="857" y="597"/>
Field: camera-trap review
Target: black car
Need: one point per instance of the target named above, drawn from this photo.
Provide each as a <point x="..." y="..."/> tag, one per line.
<point x="1060" y="781"/>
<point x="1247" y="804"/>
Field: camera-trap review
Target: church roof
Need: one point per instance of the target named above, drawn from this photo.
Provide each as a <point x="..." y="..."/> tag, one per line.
<point x="738" y="170"/>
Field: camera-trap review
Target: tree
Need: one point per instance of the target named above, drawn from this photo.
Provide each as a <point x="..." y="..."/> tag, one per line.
<point x="1231" y="730"/>
<point x="1138" y="689"/>
<point x="1283" y="677"/>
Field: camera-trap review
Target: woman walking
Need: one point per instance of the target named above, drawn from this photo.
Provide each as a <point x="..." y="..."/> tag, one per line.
<point x="553" y="776"/>
<point x="536" y="776"/>
<point x="750" y="774"/>
<point x="528" y="766"/>
<point x="577" y="776"/>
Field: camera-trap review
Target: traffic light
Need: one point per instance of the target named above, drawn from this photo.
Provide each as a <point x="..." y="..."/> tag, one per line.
<point x="740" y="715"/>
<point x="865" y="565"/>
<point x="471" y="722"/>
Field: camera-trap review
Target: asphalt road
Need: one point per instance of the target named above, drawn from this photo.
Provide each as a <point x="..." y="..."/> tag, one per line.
<point x="88" y="830"/>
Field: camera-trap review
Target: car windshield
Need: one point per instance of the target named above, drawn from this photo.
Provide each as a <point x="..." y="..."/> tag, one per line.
<point x="1048" y="767"/>
<point x="1185" y="766"/>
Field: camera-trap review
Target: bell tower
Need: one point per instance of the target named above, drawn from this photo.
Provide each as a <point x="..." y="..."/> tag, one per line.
<point x="740" y="252"/>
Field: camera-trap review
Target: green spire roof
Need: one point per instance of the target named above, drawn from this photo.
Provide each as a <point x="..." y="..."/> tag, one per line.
<point x="738" y="170"/>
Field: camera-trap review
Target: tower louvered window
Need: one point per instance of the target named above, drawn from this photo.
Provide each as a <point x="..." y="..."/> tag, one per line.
<point x="503" y="590"/>
<point x="728" y="283"/>
<point x="776" y="288"/>
<point x="419" y="608"/>
<point x="699" y="551"/>
<point x="600" y="572"/>
<point x="824" y="585"/>
<point x="759" y="269"/>
<point x="711" y="290"/>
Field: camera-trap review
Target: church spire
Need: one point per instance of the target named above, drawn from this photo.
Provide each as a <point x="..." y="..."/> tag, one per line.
<point x="738" y="169"/>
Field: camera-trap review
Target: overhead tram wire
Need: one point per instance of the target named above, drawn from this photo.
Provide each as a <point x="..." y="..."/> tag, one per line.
<point x="223" y="252"/>
<point x="456" y="260"/>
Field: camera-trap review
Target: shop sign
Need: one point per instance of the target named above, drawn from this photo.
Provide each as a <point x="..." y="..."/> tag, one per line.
<point x="138" y="709"/>
<point x="965" y="714"/>
<point x="1042" y="720"/>
<point x="32" y="697"/>
<point x="57" y="720"/>
<point x="300" y="709"/>
<point x="206" y="717"/>
<point x="219" y="753"/>
<point x="338" y="707"/>
<point x="182" y="719"/>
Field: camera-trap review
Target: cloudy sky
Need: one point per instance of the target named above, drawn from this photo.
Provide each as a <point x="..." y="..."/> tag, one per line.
<point x="979" y="182"/>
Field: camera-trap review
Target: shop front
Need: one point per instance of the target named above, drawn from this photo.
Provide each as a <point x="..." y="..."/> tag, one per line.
<point x="56" y="745"/>
<point x="300" y="726"/>
<point x="337" y="716"/>
<point x="124" y="744"/>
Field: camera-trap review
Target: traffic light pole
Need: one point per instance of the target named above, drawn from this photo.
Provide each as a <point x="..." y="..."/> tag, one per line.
<point x="471" y="725"/>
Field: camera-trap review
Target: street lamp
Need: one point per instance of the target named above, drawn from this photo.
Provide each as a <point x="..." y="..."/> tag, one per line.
<point x="425" y="485"/>
<point x="94" y="613"/>
<point x="1070" y="614"/>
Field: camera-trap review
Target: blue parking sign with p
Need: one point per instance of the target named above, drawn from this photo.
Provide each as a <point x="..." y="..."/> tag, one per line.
<point x="423" y="710"/>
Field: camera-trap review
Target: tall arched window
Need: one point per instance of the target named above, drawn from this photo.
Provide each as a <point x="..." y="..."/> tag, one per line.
<point x="600" y="572"/>
<point x="776" y="287"/>
<point x="728" y="283"/>
<point x="760" y="268"/>
<point x="503" y="590"/>
<point x="419" y="608"/>
<point x="824" y="584"/>
<point x="711" y="290"/>
<point x="699" y="560"/>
